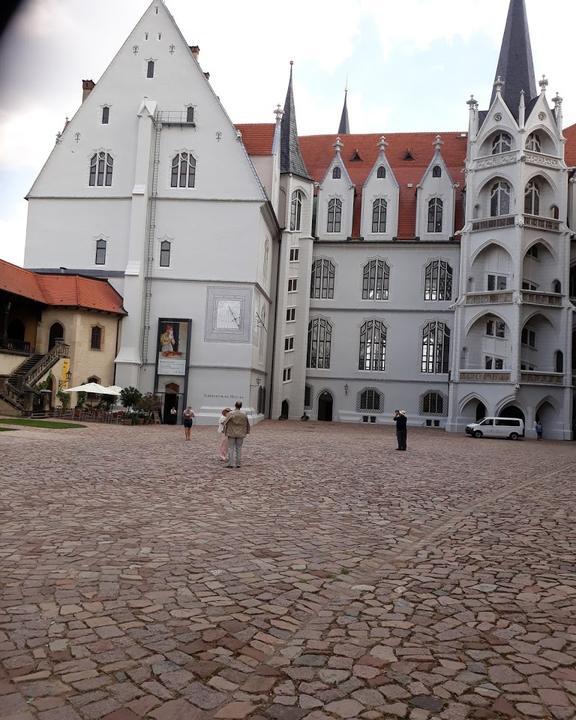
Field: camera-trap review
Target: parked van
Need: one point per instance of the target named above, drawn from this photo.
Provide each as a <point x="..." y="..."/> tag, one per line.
<point x="497" y="427"/>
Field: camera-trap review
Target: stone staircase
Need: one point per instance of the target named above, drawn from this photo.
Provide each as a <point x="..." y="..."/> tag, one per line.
<point x="17" y="389"/>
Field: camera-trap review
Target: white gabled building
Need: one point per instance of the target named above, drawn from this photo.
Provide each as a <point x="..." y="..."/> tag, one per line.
<point x="338" y="276"/>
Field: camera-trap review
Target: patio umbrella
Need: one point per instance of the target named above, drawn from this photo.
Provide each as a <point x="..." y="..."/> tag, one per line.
<point x="91" y="387"/>
<point x="113" y="390"/>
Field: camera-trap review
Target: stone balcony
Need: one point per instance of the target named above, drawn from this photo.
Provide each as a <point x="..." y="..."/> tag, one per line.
<point x="490" y="297"/>
<point x="485" y="376"/>
<point x="536" y="377"/>
<point x="541" y="223"/>
<point x="492" y="223"/>
<point x="532" y="297"/>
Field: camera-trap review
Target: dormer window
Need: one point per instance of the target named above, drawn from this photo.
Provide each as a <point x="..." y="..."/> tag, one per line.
<point x="105" y="115"/>
<point x="150" y="69"/>
<point x="534" y="143"/>
<point x="336" y="173"/>
<point x="502" y="143"/>
<point x="436" y="171"/>
<point x="381" y="172"/>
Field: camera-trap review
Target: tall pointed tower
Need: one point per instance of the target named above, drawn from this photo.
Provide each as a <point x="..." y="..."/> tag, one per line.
<point x="150" y="185"/>
<point x="295" y="217"/>
<point x="511" y="344"/>
<point x="344" y="127"/>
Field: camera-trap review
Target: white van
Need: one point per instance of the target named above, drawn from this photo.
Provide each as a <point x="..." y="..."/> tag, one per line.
<point x="497" y="427"/>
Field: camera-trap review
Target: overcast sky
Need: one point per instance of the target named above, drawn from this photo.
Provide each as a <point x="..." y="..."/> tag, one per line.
<point x="410" y="65"/>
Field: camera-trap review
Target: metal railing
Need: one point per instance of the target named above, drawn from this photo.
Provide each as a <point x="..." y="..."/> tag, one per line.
<point x="60" y="350"/>
<point x="490" y="297"/>
<point x="175" y="117"/>
<point x="494" y="222"/>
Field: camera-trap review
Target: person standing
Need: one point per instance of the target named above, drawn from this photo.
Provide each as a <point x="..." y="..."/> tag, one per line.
<point x="401" y="430"/>
<point x="187" y="416"/>
<point x="539" y="430"/>
<point x="236" y="427"/>
<point x="223" y="447"/>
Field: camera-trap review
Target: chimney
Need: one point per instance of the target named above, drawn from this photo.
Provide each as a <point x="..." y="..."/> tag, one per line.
<point x="87" y="87"/>
<point x="195" y="50"/>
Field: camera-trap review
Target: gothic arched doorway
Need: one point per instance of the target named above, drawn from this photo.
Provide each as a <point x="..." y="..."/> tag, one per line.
<point x="325" y="405"/>
<point x="170" y="414"/>
<point x="284" y="410"/>
<point x="511" y="411"/>
<point x="56" y="334"/>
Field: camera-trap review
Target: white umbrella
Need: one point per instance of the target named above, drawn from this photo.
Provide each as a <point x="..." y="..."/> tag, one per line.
<point x="113" y="390"/>
<point x="91" y="387"/>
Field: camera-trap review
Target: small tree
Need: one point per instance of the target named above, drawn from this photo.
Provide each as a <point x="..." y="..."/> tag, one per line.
<point x="130" y="397"/>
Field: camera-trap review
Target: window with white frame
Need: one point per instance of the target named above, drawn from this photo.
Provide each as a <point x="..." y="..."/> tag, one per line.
<point x="502" y="143"/>
<point x="100" y="258"/>
<point x="319" y="343"/>
<point x="497" y="282"/>
<point x="499" y="198"/>
<point x="534" y="143"/>
<point x="491" y="362"/>
<point x="379" y="210"/>
<point x="337" y="173"/>
<point x="532" y="198"/>
<point x="290" y="314"/>
<point x="292" y="285"/>
<point x="165" y="250"/>
<point x="435" y="347"/>
<point x="370" y="400"/>
<point x="438" y="281"/>
<point x="183" y="170"/>
<point x="381" y="172"/>
<point x="322" y="279"/>
<point x="496" y="328"/>
<point x="287" y="374"/>
<point x="372" y="353"/>
<point x="289" y="343"/>
<point x="375" y="280"/>
<point x="433" y="404"/>
<point x="101" y="167"/>
<point x="529" y="285"/>
<point x="529" y="337"/>
<point x="334" y="223"/>
<point x="294" y="254"/>
<point x="435" y="215"/>
<point x="296" y="209"/>
<point x="436" y="171"/>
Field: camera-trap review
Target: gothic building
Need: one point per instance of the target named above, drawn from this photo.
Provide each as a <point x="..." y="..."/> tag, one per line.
<point x="338" y="276"/>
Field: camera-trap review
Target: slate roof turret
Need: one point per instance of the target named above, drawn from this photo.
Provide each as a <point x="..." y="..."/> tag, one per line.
<point x="291" y="160"/>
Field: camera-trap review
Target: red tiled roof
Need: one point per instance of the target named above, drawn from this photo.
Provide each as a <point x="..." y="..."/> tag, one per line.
<point x="570" y="135"/>
<point x="318" y="153"/>
<point x="257" y="137"/>
<point x="61" y="290"/>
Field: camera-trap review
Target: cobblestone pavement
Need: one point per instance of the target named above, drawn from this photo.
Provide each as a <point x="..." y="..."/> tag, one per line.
<point x="330" y="577"/>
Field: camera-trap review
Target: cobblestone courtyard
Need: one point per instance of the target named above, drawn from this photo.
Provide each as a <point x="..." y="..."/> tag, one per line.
<point x="329" y="577"/>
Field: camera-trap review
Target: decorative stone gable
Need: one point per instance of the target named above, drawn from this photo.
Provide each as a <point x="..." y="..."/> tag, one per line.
<point x="335" y="200"/>
<point x="380" y="199"/>
<point x="435" y="199"/>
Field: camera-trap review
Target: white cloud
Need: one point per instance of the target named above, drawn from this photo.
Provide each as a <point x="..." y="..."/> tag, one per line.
<point x="13" y="233"/>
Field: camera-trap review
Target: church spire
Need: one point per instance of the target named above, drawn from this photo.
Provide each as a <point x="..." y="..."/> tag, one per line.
<point x="291" y="160"/>
<point x="515" y="64"/>
<point x="344" y="127"/>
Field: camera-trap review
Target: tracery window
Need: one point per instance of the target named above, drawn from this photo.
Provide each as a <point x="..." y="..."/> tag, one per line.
<point x="183" y="170"/>
<point x="100" y="258"/>
<point x="534" y="143"/>
<point x="381" y="172"/>
<point x="435" y="212"/>
<point x="532" y="198"/>
<point x="372" y="354"/>
<point x="319" y="343"/>
<point x="322" y="279"/>
<point x="165" y="248"/>
<point x="379" y="209"/>
<point x="502" y="143"/>
<point x="376" y="280"/>
<point x="438" y="281"/>
<point x="334" y="215"/>
<point x="433" y="404"/>
<point x="101" y="166"/>
<point x="500" y="198"/>
<point x="435" y="347"/>
<point x="370" y="400"/>
<point x="296" y="209"/>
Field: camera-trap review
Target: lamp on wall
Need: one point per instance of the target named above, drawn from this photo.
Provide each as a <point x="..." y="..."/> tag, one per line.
<point x="346" y="389"/>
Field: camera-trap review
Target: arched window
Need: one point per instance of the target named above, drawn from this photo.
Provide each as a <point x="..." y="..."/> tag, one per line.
<point x="105" y="115"/>
<point x="96" y="338"/>
<point x="336" y="173"/>
<point x="375" y="280"/>
<point x="372" y="355"/>
<point x="534" y="143"/>
<point x="435" y="211"/>
<point x="433" y="404"/>
<point x="296" y="209"/>
<point x="502" y="143"/>
<point x="322" y="279"/>
<point x="370" y="399"/>
<point x="500" y="199"/>
<point x="165" y="248"/>
<point x="183" y="170"/>
<point x="438" y="281"/>
<point x="55" y="335"/>
<point x="100" y="258"/>
<point x="436" y="171"/>
<point x="150" y="69"/>
<point x="379" y="208"/>
<point x="555" y="212"/>
<point x="532" y="198"/>
<point x="381" y="172"/>
<point x="319" y="343"/>
<point x="190" y="114"/>
<point x="556" y="286"/>
<point x="558" y="361"/>
<point x="334" y="215"/>
<point x="435" y="348"/>
<point x="101" y="166"/>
